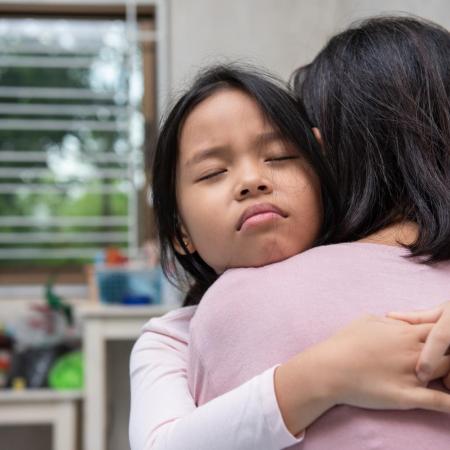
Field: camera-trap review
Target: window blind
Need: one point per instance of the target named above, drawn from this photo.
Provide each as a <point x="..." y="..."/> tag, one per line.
<point x="71" y="138"/>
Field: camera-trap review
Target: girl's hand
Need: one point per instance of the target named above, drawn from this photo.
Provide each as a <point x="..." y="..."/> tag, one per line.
<point x="438" y="342"/>
<point x="369" y="364"/>
<point x="373" y="366"/>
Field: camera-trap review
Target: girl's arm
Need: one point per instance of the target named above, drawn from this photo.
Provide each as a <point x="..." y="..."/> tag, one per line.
<point x="345" y="369"/>
<point x="164" y="415"/>
<point x="369" y="364"/>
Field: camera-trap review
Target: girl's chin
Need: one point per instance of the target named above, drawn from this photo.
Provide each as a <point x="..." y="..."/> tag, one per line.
<point x="271" y="253"/>
<point x="264" y="260"/>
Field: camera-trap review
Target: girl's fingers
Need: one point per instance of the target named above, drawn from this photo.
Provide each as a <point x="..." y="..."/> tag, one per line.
<point x="423" y="331"/>
<point x="436" y="346"/>
<point x="425" y="316"/>
<point x="446" y="381"/>
<point x="431" y="399"/>
<point x="442" y="369"/>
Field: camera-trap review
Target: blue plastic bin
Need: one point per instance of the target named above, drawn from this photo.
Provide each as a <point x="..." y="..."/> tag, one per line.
<point x="129" y="285"/>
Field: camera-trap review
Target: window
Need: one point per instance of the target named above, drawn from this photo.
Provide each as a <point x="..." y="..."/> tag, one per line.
<point x="77" y="110"/>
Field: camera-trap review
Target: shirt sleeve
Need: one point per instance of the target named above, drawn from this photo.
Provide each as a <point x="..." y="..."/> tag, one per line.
<point x="164" y="416"/>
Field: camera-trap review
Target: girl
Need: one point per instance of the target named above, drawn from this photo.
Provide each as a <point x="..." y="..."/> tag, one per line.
<point x="279" y="132"/>
<point x="394" y="198"/>
<point x="226" y="421"/>
<point x="250" y="125"/>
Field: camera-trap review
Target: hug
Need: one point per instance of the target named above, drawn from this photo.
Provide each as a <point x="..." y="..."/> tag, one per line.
<point x="299" y="217"/>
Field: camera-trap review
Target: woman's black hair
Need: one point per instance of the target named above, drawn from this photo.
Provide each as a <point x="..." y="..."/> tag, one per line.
<point x="281" y="109"/>
<point x="379" y="93"/>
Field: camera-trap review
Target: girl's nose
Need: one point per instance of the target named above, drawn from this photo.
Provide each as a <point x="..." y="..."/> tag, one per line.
<point x="254" y="186"/>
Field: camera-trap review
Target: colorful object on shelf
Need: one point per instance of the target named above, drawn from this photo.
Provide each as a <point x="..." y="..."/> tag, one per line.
<point x="128" y="284"/>
<point x="19" y="383"/>
<point x="5" y="365"/>
<point x="136" y="300"/>
<point x="6" y="347"/>
<point x="56" y="303"/>
<point x="115" y="279"/>
<point x="33" y="364"/>
<point x="114" y="257"/>
<point x="67" y="372"/>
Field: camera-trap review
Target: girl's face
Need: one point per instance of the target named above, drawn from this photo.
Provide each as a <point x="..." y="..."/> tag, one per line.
<point x="245" y="197"/>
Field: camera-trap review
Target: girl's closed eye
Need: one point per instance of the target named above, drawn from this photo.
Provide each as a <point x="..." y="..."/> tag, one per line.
<point x="282" y="158"/>
<point x="211" y="175"/>
<point x="278" y="151"/>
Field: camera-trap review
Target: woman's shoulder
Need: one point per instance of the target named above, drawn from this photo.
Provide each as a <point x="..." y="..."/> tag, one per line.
<point x="352" y="252"/>
<point x="321" y="258"/>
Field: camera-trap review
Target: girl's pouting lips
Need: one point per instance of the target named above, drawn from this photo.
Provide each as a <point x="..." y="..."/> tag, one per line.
<point x="259" y="214"/>
<point x="260" y="219"/>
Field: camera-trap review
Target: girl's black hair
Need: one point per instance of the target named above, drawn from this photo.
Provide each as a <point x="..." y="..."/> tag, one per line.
<point x="281" y="109"/>
<point x="379" y="93"/>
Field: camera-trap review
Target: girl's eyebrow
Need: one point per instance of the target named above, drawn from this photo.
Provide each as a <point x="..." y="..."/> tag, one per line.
<point x="267" y="137"/>
<point x="212" y="152"/>
<point x="220" y="151"/>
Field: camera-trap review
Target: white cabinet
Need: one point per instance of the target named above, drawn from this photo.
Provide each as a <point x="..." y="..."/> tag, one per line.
<point x="102" y="323"/>
<point x="43" y="407"/>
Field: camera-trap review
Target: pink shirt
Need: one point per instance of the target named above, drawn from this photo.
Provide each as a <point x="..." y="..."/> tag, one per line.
<point x="163" y="414"/>
<point x="251" y="319"/>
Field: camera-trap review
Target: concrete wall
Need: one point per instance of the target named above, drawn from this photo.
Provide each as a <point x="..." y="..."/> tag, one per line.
<point x="277" y="34"/>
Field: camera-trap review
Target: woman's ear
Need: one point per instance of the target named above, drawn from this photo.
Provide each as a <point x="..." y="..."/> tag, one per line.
<point x="318" y="136"/>
<point x="187" y="242"/>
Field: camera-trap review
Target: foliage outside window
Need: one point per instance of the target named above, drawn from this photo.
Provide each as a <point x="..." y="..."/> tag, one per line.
<point x="71" y="138"/>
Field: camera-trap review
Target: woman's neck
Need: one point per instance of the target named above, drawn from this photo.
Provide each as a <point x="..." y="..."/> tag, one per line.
<point x="402" y="233"/>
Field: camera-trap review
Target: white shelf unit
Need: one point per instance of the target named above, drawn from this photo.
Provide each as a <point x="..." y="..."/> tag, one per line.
<point x="102" y="323"/>
<point x="42" y="407"/>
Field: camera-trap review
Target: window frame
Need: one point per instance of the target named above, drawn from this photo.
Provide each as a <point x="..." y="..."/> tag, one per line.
<point x="154" y="12"/>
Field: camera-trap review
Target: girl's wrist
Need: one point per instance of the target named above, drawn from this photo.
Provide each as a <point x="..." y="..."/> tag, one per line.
<point x="306" y="387"/>
<point x="326" y="370"/>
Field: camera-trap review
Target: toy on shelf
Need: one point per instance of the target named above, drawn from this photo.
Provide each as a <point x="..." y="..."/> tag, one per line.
<point x="6" y="346"/>
<point x="67" y="372"/>
<point x="57" y="304"/>
<point x="42" y="335"/>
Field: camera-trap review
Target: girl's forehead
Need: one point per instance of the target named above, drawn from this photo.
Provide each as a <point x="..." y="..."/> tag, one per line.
<point x="224" y="115"/>
<point x="222" y="103"/>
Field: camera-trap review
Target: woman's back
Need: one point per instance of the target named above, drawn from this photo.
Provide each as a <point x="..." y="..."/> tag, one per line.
<point x="252" y="319"/>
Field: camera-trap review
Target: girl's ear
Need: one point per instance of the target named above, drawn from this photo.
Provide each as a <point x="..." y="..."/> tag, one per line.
<point x="318" y="136"/>
<point x="186" y="241"/>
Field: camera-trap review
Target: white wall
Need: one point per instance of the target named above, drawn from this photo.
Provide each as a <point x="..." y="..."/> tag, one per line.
<point x="277" y="34"/>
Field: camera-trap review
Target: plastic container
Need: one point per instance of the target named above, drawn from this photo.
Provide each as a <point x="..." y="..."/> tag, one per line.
<point x="129" y="284"/>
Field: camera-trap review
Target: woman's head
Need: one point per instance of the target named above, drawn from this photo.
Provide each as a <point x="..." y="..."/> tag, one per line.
<point x="379" y="92"/>
<point x="236" y="176"/>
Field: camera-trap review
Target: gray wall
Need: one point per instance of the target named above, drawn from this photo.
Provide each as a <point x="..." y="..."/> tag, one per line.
<point x="277" y="34"/>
